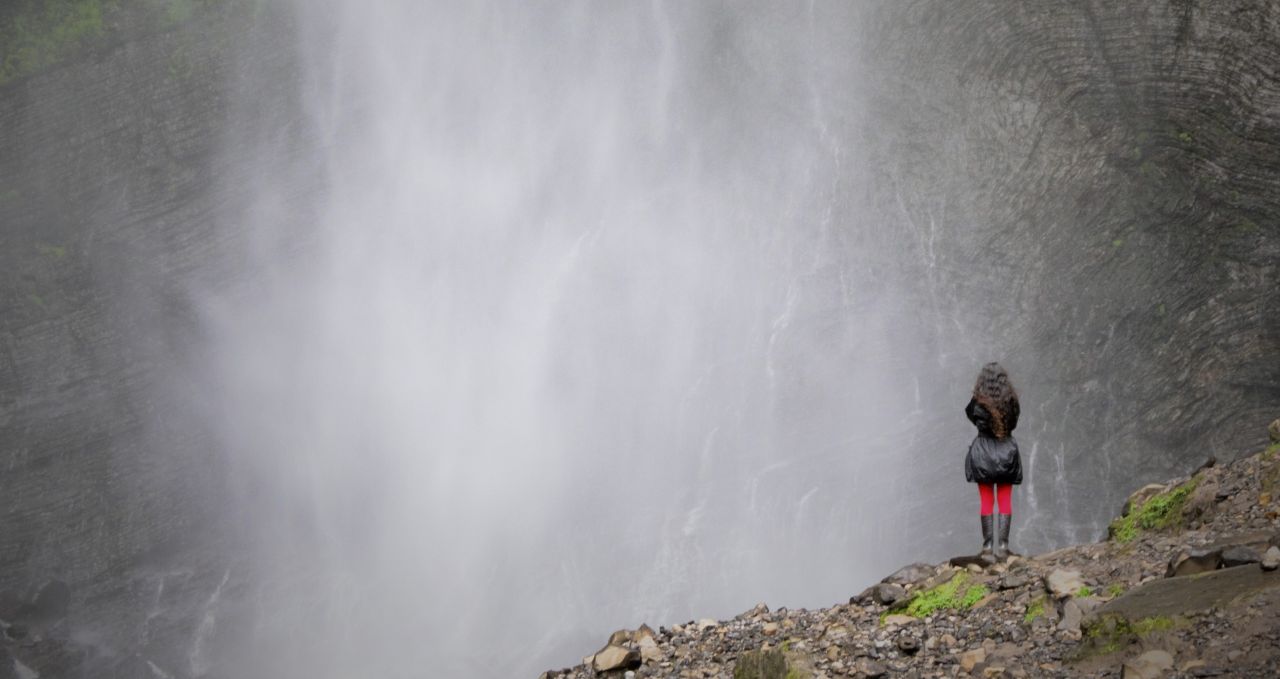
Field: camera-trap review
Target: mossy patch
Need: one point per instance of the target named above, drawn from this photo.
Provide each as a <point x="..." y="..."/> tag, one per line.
<point x="1157" y="513"/>
<point x="951" y="595"/>
<point x="1035" y="609"/>
<point x="42" y="34"/>
<point x="1083" y="592"/>
<point x="1115" y="589"/>
<point x="1111" y="633"/>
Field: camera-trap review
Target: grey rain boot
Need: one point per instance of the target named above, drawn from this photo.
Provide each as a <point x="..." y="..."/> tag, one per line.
<point x="1002" y="543"/>
<point x="986" y="535"/>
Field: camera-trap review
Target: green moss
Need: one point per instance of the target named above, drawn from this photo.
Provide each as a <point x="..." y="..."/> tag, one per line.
<point x="1115" y="589"/>
<point x="1035" y="609"/>
<point x="1119" y="242"/>
<point x="1185" y="137"/>
<point x="1247" y="226"/>
<point x="1083" y="592"/>
<point x="42" y="34"/>
<point x="951" y="594"/>
<point x="36" y="300"/>
<point x="1157" y="513"/>
<point x="1111" y="633"/>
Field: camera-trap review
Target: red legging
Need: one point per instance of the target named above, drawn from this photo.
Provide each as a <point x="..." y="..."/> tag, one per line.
<point x="1003" y="490"/>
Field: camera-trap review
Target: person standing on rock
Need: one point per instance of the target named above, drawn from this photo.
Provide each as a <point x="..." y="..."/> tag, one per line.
<point x="993" y="461"/>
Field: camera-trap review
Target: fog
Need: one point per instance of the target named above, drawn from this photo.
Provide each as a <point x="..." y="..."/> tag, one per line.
<point x="565" y="317"/>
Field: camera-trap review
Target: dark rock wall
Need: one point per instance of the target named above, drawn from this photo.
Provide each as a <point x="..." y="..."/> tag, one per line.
<point x="1090" y="191"/>
<point x="112" y="204"/>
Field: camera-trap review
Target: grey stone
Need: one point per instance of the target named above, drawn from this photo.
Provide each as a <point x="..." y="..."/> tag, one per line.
<point x="1271" y="558"/>
<point x="615" y="658"/>
<point x="1239" y="555"/>
<point x="869" y="668"/>
<point x="1071" y="616"/>
<point x="888" y="594"/>
<point x="1192" y="561"/>
<point x="1013" y="581"/>
<point x="909" y="644"/>
<point x="911" y="574"/>
<point x="1063" y="583"/>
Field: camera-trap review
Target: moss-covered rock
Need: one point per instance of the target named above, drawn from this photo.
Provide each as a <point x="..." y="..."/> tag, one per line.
<point x="1161" y="511"/>
<point x="951" y="594"/>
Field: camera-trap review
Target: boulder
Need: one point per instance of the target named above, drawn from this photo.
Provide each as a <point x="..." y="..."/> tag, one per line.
<point x="888" y="594"/>
<point x="1239" y="555"/>
<point x="649" y="650"/>
<point x="1192" y="561"/>
<point x="615" y="658"/>
<point x="1013" y="580"/>
<point x="1271" y="558"/>
<point x="1071" y="616"/>
<point x="1273" y="431"/>
<point x="970" y="659"/>
<point x="1063" y="583"/>
<point x="621" y="637"/>
<point x="911" y="574"/>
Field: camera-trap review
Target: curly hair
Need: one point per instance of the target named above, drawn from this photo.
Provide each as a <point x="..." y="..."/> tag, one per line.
<point x="995" y="392"/>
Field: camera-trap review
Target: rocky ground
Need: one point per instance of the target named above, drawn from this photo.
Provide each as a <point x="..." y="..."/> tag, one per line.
<point x="1186" y="585"/>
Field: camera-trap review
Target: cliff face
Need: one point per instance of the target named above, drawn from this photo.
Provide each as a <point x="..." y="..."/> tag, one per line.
<point x="1101" y="174"/>
<point x="109" y="185"/>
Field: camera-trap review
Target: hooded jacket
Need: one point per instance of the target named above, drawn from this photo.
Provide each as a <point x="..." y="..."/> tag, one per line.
<point x="992" y="460"/>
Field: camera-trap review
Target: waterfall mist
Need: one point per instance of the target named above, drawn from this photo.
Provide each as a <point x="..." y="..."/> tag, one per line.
<point x="561" y="318"/>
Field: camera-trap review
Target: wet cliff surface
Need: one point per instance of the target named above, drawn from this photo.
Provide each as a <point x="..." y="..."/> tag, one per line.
<point x="109" y="211"/>
<point x="1102" y="175"/>
<point x="1099" y="175"/>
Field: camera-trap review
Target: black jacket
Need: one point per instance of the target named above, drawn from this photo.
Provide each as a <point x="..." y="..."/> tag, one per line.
<point x="978" y="415"/>
<point x="992" y="460"/>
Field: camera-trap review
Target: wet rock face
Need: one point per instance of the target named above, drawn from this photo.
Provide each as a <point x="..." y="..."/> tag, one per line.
<point x="108" y="190"/>
<point x="1099" y="173"/>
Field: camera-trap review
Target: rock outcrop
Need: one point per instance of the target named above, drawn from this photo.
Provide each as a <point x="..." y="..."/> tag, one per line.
<point x="1094" y="610"/>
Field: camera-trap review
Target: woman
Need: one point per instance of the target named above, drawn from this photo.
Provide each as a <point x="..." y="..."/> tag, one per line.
<point x="993" y="461"/>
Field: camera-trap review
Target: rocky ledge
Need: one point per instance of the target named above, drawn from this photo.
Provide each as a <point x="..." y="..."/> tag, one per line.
<point x="1185" y="585"/>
